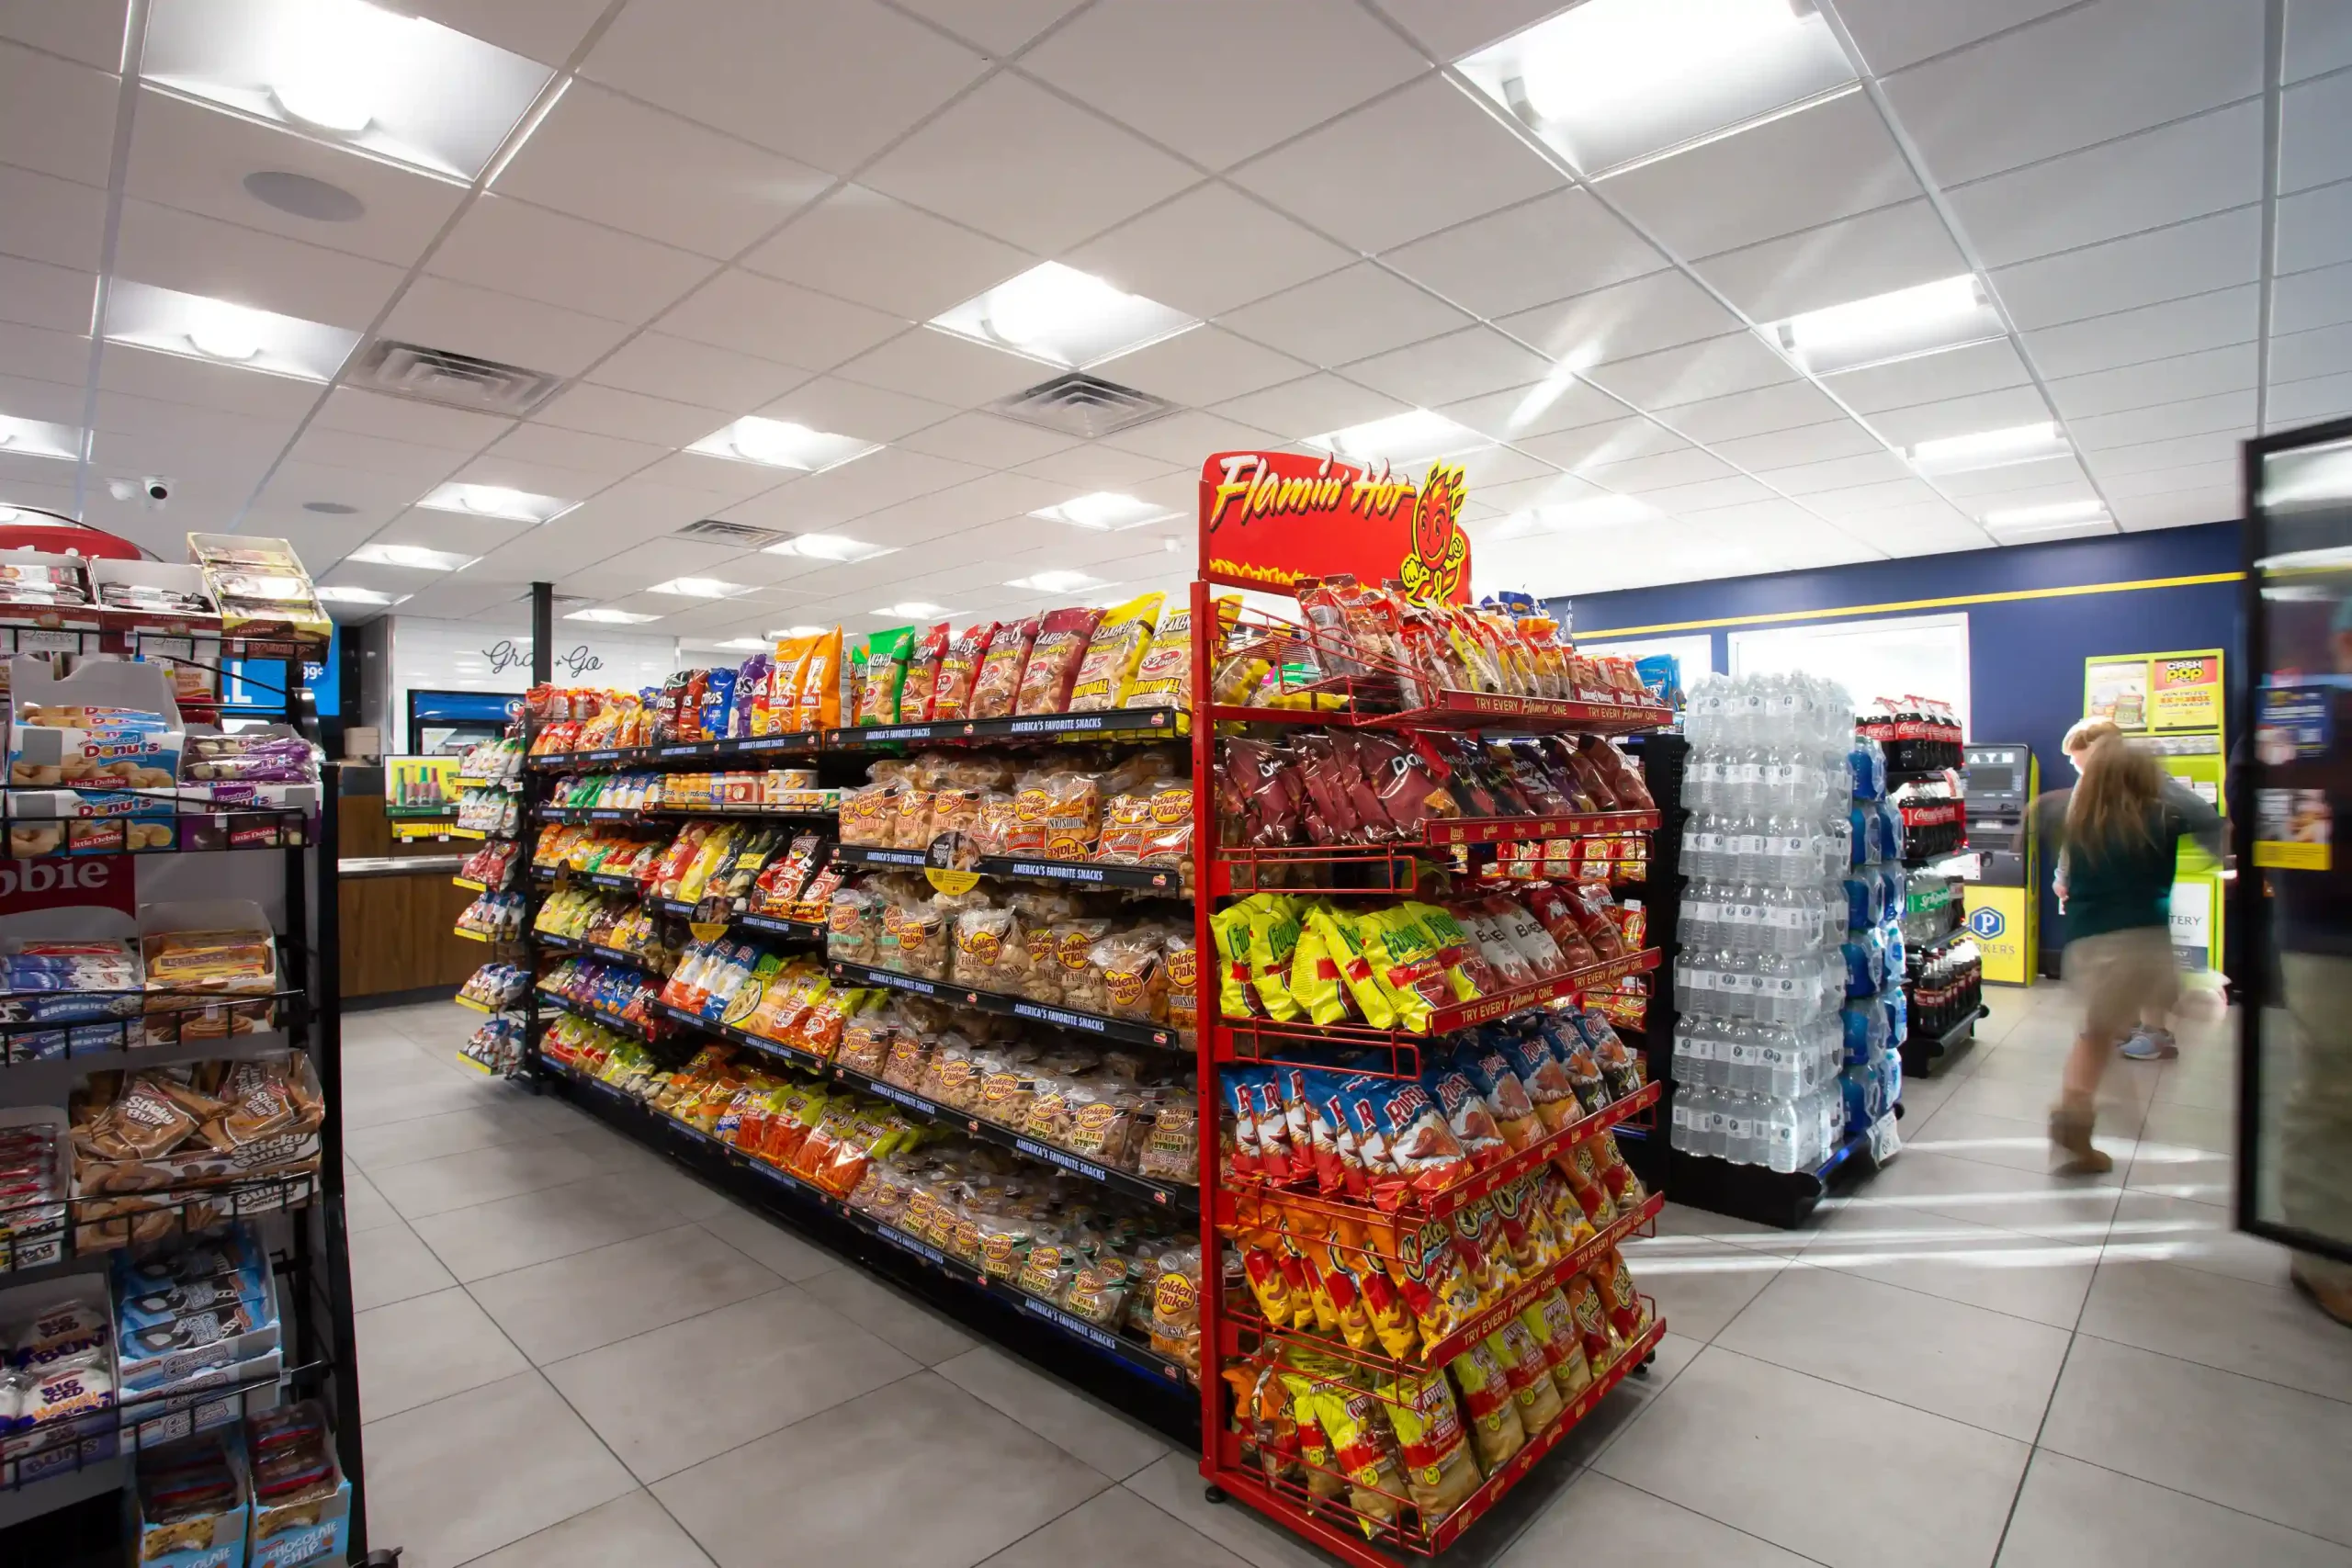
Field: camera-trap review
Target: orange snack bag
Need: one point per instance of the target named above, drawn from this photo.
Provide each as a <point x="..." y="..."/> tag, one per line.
<point x="820" y="703"/>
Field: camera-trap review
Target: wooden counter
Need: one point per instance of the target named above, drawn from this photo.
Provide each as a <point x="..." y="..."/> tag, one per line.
<point x="399" y="932"/>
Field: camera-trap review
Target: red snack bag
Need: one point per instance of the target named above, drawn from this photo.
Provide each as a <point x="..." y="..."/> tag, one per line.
<point x="1423" y="1147"/>
<point x="1624" y="778"/>
<point x="1470" y="1119"/>
<point x="999" y="681"/>
<point x="1593" y="781"/>
<point x="1628" y="1314"/>
<point x="1052" y="666"/>
<point x="918" y="692"/>
<point x="951" y="694"/>
<point x="1593" y="908"/>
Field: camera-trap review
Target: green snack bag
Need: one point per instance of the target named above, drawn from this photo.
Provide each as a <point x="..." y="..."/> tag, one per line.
<point x="882" y="675"/>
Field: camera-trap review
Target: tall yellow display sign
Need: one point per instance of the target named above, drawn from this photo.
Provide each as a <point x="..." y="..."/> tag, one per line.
<point x="2171" y="705"/>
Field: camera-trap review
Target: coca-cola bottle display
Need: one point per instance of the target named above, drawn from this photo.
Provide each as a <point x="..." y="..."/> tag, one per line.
<point x="1934" y="816"/>
<point x="1918" y="734"/>
<point x="1946" y="985"/>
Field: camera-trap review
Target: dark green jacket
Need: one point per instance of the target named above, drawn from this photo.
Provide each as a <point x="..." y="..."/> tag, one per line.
<point x="2128" y="884"/>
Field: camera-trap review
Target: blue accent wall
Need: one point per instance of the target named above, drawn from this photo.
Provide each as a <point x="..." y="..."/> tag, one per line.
<point x="2025" y="656"/>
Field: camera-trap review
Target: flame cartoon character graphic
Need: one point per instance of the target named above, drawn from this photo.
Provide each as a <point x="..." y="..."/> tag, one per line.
<point x="1441" y="550"/>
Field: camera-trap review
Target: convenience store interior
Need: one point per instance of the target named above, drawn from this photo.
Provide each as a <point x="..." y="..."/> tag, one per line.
<point x="562" y="346"/>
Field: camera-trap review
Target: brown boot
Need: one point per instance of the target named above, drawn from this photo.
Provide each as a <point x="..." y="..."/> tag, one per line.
<point x="2070" y="1135"/>
<point x="2334" y="1300"/>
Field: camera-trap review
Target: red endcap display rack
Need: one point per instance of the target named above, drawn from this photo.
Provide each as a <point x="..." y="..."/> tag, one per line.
<point x="1266" y="521"/>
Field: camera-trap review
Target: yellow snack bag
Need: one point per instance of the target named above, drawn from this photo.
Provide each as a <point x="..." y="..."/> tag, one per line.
<point x="1405" y="959"/>
<point x="1236" y="997"/>
<point x="1439" y="1472"/>
<point x="1363" y="1452"/>
<point x="1315" y="979"/>
<point x="1113" y="654"/>
<point x="1343" y="944"/>
<point x="1495" y="1429"/>
<point x="1453" y="944"/>
<point x="1163" y="677"/>
<point x="1273" y="936"/>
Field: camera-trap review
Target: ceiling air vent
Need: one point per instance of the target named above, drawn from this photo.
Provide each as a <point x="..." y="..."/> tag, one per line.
<point x="452" y="380"/>
<point x="1082" y="405"/>
<point x="741" y="534"/>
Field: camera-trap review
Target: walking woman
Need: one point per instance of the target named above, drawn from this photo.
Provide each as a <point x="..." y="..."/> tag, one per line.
<point x="2121" y="837"/>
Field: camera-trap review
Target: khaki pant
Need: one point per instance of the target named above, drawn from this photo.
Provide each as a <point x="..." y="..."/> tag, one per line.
<point x="2316" y="1123"/>
<point x="2120" y="976"/>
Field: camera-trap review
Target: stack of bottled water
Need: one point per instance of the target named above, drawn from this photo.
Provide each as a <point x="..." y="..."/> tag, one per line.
<point x="1759" y="985"/>
<point x="1875" y="1016"/>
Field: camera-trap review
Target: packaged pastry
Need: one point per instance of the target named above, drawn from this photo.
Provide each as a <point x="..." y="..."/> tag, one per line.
<point x="1112" y="652"/>
<point x="1052" y="665"/>
<point x="1134" y="976"/>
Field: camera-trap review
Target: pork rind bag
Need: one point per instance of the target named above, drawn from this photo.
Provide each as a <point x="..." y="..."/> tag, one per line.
<point x="1063" y="637"/>
<point x="922" y="675"/>
<point x="1163" y="677"/>
<point x="998" y="685"/>
<point x="1134" y="976"/>
<point x="1492" y="1415"/>
<point x="1113" y="654"/>
<point x="959" y="667"/>
<point x="1440" y="1474"/>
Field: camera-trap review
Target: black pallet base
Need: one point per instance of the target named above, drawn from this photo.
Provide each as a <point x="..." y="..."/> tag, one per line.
<point x="1176" y="1415"/>
<point x="1923" y="1053"/>
<point x="1767" y="1197"/>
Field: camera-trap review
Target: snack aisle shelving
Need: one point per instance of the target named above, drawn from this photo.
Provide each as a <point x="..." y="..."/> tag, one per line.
<point x="1386" y="1386"/>
<point x="65" y="1485"/>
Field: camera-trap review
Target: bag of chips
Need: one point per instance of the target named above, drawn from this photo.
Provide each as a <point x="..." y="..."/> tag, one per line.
<point x="1404" y="956"/>
<point x="879" y="676"/>
<point x="1532" y="1388"/>
<point x="1415" y="1136"/>
<point x="951" y="694"/>
<point x="922" y="675"/>
<point x="1273" y="936"/>
<point x="1343" y="944"/>
<point x="1440" y="1474"/>
<point x="1602" y="1345"/>
<point x="1466" y="969"/>
<point x="1315" y="979"/>
<point x="1492" y="1415"/>
<point x="998" y="683"/>
<point x="1467" y="1117"/>
<point x="1052" y="668"/>
<point x="820" y="703"/>
<point x="1512" y="1109"/>
<point x="1113" y="650"/>
<point x="1163" y="677"/>
<point x="1629" y="1315"/>
<point x="1362" y="1448"/>
<point x="1553" y="1329"/>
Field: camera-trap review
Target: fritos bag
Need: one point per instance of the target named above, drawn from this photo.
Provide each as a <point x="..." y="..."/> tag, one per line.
<point x="1113" y="653"/>
<point x="1052" y="666"/>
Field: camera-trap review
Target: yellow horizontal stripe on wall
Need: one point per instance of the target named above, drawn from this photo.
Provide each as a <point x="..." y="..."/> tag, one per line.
<point x="1960" y="599"/>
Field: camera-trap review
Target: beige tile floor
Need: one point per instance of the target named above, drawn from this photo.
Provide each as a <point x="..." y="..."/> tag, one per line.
<point x="572" y="1356"/>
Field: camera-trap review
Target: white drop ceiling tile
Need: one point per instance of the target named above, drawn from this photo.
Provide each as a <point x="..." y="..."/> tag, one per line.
<point x="2315" y="228"/>
<point x="2230" y="413"/>
<point x="544" y="30"/>
<point x="2093" y="74"/>
<point x="723" y="479"/>
<point x="1562" y="242"/>
<point x="1207" y="365"/>
<point x="1556" y="403"/>
<point x="2176" y="171"/>
<point x="861" y="245"/>
<point x="52" y="402"/>
<point x="1189" y="437"/>
<point x="1276" y="70"/>
<point x="634" y="510"/>
<point x="1854" y="258"/>
<point x="1312" y="405"/>
<point x="1787" y="405"/>
<point x="1636" y="475"/>
<point x="777" y="320"/>
<point x="465" y="536"/>
<point x="2299" y="301"/>
<point x="627" y="572"/>
<point x="1346" y="316"/>
<point x="850" y="408"/>
<point x="517" y="248"/>
<point x="206" y="463"/>
<point x="2195" y="257"/>
<point x="298" y="481"/>
<point x="531" y="476"/>
<point x="605" y="457"/>
<point x="2160" y="481"/>
<point x="2020" y="484"/>
<point x="2151" y="455"/>
<point x="625" y="164"/>
<point x="1428" y="139"/>
<point x="2319" y="40"/>
<point x="2001" y="410"/>
<point x="1092" y="466"/>
<point x="172" y="249"/>
<point x="1210" y="250"/>
<point x="881" y="479"/>
<point x="1778" y="449"/>
<point x="2230" y="369"/>
<point x="177" y="380"/>
<point x="1694" y="373"/>
<point x="1707" y="495"/>
<point x="827" y="82"/>
<point x="51" y="220"/>
<point x="1485" y="470"/>
<point x="659" y="366"/>
<point x="1892" y="34"/>
<point x="36" y="294"/>
<point x="2180" y="509"/>
<point x="193" y="157"/>
<point x="1926" y="529"/>
<point x="1613" y="442"/>
<point x="1926" y="378"/>
<point x="2304" y="403"/>
<point x="364" y="412"/>
<point x="1833" y="160"/>
<point x="925" y="361"/>
<point x="995" y="26"/>
<point x="47" y="356"/>
<point x="57" y="117"/>
<point x="2149" y="332"/>
<point x="1877" y="466"/>
<point x="1852" y="501"/>
<point x="1451" y="368"/>
<point x="987" y="440"/>
<point x="88" y="30"/>
<point x="421" y="467"/>
<point x="440" y="313"/>
<point x="1663" y="309"/>
<point x="1011" y="159"/>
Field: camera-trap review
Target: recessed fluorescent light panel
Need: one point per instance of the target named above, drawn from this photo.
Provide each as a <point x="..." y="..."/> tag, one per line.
<point x="196" y="326"/>
<point x="1599" y="512"/>
<point x="1610" y="84"/>
<point x="415" y="556"/>
<point x="392" y="87"/>
<point x="330" y="594"/>
<point x="828" y="547"/>
<point x="795" y="631"/>
<point x="2059" y="520"/>
<point x="37" y="438"/>
<point x="780" y="443"/>
<point x="1064" y="316"/>
<point x="1105" y="512"/>
<point x="1402" y="439"/>
<point x="698" y="588"/>
<point x="497" y="500"/>
<point x="1951" y="312"/>
<point x="742" y="644"/>
<point x="912" y="609"/>
<point x="1057" y="582"/>
<point x="1987" y="449"/>
<point x="611" y="617"/>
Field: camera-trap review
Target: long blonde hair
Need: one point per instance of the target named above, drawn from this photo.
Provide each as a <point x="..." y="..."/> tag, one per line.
<point x="2117" y="798"/>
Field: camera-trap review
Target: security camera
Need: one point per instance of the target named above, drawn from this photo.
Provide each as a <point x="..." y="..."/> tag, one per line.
<point x="156" y="490"/>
